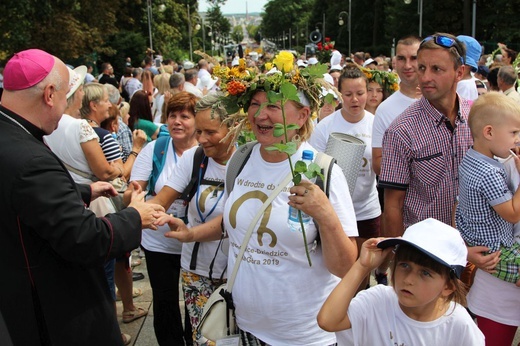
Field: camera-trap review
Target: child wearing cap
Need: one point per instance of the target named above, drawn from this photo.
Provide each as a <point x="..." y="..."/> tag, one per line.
<point x="487" y="208"/>
<point x="423" y="307"/>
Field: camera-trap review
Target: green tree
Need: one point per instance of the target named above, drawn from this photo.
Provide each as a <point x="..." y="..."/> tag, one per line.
<point x="281" y="15"/>
<point x="219" y="24"/>
<point x="237" y="34"/>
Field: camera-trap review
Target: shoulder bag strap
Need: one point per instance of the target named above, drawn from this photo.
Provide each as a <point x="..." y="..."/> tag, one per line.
<point x="85" y="175"/>
<point x="247" y="236"/>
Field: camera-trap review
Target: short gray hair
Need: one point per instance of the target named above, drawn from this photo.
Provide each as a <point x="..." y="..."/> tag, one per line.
<point x="176" y="80"/>
<point x="507" y="74"/>
<point x="113" y="94"/>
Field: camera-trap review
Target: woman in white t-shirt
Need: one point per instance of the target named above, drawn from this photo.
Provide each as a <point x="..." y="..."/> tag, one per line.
<point x="354" y="120"/>
<point x="276" y="293"/>
<point x="163" y="255"/>
<point x="203" y="264"/>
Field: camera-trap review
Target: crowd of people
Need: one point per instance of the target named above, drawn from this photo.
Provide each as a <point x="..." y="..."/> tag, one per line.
<point x="106" y="165"/>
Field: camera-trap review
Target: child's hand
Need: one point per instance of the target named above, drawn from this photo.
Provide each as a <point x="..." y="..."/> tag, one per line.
<point x="517" y="160"/>
<point x="370" y="255"/>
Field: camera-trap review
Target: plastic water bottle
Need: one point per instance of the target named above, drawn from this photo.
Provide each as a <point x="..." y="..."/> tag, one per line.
<point x="293" y="221"/>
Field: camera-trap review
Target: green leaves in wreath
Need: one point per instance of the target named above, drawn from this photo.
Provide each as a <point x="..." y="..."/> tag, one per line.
<point x="289" y="92"/>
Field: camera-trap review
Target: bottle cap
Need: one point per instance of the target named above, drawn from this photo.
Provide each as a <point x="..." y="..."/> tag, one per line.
<point x="308" y="155"/>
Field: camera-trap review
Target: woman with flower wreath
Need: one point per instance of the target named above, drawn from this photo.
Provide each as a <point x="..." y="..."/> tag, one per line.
<point x="381" y="84"/>
<point x="277" y="293"/>
<point x="354" y="120"/>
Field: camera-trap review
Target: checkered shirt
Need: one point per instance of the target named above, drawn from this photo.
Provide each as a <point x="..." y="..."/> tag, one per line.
<point x="507" y="267"/>
<point x="124" y="138"/>
<point x="421" y="155"/>
<point x="483" y="185"/>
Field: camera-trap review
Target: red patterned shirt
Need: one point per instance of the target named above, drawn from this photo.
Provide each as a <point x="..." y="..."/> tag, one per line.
<point x="421" y="154"/>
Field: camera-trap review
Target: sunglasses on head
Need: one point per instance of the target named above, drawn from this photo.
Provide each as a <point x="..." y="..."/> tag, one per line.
<point x="446" y="42"/>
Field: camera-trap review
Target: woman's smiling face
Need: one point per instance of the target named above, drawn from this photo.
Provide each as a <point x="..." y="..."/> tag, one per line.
<point x="263" y="119"/>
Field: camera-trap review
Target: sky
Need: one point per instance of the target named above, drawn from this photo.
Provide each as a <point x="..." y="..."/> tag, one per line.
<point x="236" y="6"/>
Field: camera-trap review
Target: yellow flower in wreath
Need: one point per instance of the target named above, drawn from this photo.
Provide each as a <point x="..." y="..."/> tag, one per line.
<point x="284" y="62"/>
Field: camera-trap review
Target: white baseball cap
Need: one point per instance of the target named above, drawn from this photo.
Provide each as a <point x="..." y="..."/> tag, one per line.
<point x="369" y="61"/>
<point x="437" y="240"/>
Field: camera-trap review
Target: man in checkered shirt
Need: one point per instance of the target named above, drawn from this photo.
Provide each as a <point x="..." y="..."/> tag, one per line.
<point x="423" y="147"/>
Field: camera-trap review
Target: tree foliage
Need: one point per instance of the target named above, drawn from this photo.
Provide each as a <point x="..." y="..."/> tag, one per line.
<point x="90" y="30"/>
<point x="219" y="24"/>
<point x="237" y="34"/>
<point x="282" y="15"/>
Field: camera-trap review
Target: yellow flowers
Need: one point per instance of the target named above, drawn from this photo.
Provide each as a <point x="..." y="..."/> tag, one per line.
<point x="284" y="62"/>
<point x="242" y="65"/>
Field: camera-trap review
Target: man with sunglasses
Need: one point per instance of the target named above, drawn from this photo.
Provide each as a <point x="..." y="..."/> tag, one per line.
<point x="423" y="147"/>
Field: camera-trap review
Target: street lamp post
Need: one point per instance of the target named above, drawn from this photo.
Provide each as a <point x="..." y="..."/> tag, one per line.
<point x="190" y="32"/>
<point x="149" y="9"/>
<point x="420" y="11"/>
<point x="341" y="22"/>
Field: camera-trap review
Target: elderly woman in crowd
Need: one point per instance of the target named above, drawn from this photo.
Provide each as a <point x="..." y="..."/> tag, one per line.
<point x="277" y="294"/>
<point x="163" y="255"/>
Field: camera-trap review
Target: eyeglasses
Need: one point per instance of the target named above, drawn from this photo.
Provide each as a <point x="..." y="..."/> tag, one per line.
<point x="446" y="42"/>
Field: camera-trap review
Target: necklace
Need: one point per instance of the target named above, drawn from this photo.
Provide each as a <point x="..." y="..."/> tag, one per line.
<point x="93" y="121"/>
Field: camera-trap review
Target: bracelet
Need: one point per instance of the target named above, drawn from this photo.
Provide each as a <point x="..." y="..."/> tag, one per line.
<point x="134" y="153"/>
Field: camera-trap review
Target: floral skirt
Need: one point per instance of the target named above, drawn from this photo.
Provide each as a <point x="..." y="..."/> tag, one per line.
<point x="197" y="290"/>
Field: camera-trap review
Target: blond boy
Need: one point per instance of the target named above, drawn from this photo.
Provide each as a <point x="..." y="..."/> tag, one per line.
<point x="487" y="208"/>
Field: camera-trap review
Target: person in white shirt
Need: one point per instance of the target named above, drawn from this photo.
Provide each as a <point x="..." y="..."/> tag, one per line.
<point x="190" y="85"/>
<point x="425" y="304"/>
<point x="389" y="109"/>
<point x="466" y="87"/>
<point x="277" y="274"/>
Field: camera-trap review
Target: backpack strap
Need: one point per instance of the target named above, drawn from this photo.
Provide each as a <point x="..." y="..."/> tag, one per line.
<point x="237" y="163"/>
<point x="200" y="162"/>
<point x="159" y="157"/>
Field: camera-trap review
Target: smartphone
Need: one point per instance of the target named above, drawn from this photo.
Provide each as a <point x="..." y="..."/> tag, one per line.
<point x="157" y="62"/>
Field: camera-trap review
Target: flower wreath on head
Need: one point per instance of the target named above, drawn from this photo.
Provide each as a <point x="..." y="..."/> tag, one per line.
<point x="388" y="80"/>
<point x="284" y="81"/>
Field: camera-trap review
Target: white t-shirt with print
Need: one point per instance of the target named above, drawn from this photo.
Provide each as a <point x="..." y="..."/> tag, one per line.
<point x="205" y="206"/>
<point x="365" y="197"/>
<point x="387" y="111"/>
<point x="377" y="319"/>
<point x="277" y="295"/>
<point x="141" y="170"/>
